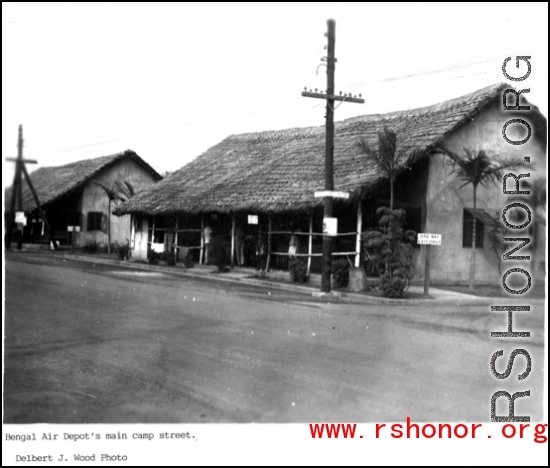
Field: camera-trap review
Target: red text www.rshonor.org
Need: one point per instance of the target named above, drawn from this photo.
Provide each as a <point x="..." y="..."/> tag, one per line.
<point x="412" y="430"/>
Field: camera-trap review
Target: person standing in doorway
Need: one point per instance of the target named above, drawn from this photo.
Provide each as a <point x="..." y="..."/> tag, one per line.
<point x="208" y="233"/>
<point x="261" y="252"/>
<point x="294" y="245"/>
<point x="239" y="244"/>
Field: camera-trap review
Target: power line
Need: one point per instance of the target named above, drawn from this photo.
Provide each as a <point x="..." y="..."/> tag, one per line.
<point x="209" y="119"/>
<point x="430" y="71"/>
<point x="88" y="145"/>
<point x="248" y="110"/>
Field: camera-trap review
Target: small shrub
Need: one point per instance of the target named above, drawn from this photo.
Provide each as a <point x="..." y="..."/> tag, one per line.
<point x="218" y="252"/>
<point x="123" y="251"/>
<point x="389" y="251"/>
<point x="91" y="246"/>
<point x="169" y="258"/>
<point x="153" y="257"/>
<point x="188" y="262"/>
<point x="340" y="273"/>
<point x="297" y="270"/>
<point x="394" y="285"/>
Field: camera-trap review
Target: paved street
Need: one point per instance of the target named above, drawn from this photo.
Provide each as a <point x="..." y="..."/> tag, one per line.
<point x="103" y="344"/>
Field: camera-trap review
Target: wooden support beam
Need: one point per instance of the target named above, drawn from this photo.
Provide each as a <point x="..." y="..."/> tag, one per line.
<point x="333" y="97"/>
<point x="38" y="205"/>
<point x="26" y="161"/>
<point x="269" y="229"/>
<point x="358" y="239"/>
<point x="310" y="243"/>
<point x="201" y="256"/>
<point x="176" y="233"/>
<point x="233" y="241"/>
<point x="428" y="254"/>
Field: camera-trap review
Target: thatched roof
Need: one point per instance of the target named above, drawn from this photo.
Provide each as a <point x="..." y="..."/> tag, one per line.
<point x="53" y="183"/>
<point x="280" y="170"/>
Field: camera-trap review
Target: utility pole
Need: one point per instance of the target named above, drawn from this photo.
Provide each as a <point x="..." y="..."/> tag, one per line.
<point x="329" y="146"/>
<point x="17" y="191"/>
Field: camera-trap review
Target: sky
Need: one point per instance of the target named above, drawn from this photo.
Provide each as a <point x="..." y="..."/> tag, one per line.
<point x="170" y="81"/>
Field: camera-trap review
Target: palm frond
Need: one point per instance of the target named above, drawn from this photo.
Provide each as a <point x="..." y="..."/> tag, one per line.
<point x="131" y="189"/>
<point x="476" y="167"/>
<point x="385" y="155"/>
<point x="122" y="193"/>
<point x="363" y="144"/>
<point x="111" y="194"/>
<point x="387" y="148"/>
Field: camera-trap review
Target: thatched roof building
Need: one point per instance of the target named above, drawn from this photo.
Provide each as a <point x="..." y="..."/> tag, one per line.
<point x="54" y="183"/>
<point x="278" y="171"/>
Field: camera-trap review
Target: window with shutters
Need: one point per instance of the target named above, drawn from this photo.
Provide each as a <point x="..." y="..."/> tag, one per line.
<point x="94" y="220"/>
<point x="467" y="226"/>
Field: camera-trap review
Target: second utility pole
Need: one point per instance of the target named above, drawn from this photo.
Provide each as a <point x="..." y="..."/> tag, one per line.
<point x="17" y="192"/>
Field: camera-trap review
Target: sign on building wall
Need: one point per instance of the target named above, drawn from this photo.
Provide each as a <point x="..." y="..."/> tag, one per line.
<point x="252" y="219"/>
<point x="429" y="239"/>
<point x="330" y="226"/>
<point x="20" y="218"/>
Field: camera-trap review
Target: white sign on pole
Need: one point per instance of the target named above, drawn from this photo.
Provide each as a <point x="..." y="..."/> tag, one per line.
<point x="429" y="239"/>
<point x="252" y="219"/>
<point x="70" y="228"/>
<point x="330" y="226"/>
<point x="331" y="193"/>
<point x="20" y="218"/>
<point x="77" y="229"/>
<point x="157" y="247"/>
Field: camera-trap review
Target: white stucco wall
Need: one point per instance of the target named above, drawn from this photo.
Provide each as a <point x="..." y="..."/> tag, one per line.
<point x="446" y="200"/>
<point x="139" y="250"/>
<point x="94" y="199"/>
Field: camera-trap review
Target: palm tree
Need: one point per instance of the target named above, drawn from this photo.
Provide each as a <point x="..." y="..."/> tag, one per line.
<point x="388" y="159"/>
<point x="386" y="156"/>
<point x="476" y="167"/>
<point x="119" y="191"/>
